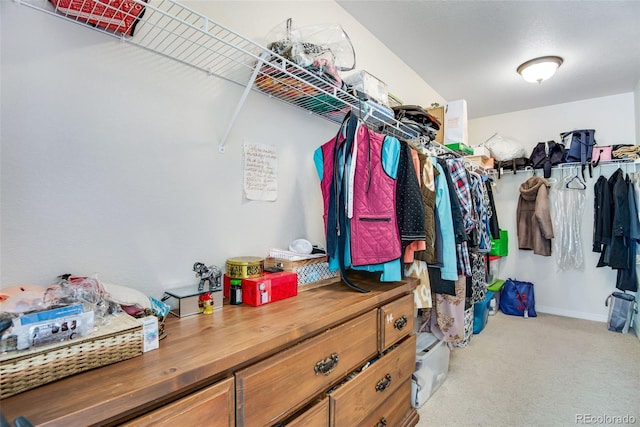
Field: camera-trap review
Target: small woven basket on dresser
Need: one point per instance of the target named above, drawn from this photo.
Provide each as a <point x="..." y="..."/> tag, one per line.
<point x="312" y="273"/>
<point x="120" y="339"/>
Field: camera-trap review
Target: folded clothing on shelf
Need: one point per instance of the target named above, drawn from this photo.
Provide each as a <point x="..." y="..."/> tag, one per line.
<point x="308" y="88"/>
<point x="118" y="16"/>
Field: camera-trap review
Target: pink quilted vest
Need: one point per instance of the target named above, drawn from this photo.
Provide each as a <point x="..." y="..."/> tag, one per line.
<point x="374" y="236"/>
<point x="327" y="175"/>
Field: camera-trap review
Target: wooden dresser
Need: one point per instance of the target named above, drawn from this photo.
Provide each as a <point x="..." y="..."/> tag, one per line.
<point x="328" y="357"/>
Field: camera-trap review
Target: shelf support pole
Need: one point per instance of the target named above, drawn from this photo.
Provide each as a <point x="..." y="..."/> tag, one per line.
<point x="243" y="98"/>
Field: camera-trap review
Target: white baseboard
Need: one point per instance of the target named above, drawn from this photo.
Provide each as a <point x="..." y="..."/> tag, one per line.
<point x="574" y="314"/>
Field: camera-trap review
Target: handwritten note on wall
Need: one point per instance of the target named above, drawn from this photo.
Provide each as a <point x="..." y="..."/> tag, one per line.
<point x="260" y="172"/>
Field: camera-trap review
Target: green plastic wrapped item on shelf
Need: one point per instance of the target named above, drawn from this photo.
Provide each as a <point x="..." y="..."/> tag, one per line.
<point x="500" y="247"/>
<point x="460" y="148"/>
<point x="496" y="285"/>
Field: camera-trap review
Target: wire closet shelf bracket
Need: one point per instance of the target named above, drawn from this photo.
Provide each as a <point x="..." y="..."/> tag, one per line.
<point x="177" y="32"/>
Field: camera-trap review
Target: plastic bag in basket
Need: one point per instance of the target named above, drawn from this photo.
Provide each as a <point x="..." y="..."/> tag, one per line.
<point x="324" y="49"/>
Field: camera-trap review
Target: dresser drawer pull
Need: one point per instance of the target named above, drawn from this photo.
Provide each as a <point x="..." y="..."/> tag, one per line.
<point x="326" y="366"/>
<point x="382" y="422"/>
<point x="400" y="323"/>
<point x="383" y="383"/>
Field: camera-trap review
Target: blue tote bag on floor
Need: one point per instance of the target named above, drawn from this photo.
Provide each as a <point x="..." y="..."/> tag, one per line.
<point x="517" y="298"/>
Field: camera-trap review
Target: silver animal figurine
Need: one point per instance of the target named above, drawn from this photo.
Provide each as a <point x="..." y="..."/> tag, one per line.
<point x="209" y="274"/>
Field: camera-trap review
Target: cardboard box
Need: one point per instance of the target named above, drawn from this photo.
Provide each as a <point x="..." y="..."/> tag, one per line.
<point x="484" y="161"/>
<point x="438" y="113"/>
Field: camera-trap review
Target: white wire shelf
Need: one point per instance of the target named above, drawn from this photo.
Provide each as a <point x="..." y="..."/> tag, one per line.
<point x="179" y="33"/>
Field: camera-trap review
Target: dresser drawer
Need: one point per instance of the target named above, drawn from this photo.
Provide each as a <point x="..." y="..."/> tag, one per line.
<point x="212" y="406"/>
<point x="355" y="399"/>
<point x="396" y="321"/>
<point x="393" y="411"/>
<point x="316" y="416"/>
<point x="269" y="391"/>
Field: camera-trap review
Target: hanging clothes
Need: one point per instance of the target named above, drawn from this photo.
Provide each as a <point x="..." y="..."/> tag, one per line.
<point x="620" y="238"/>
<point x="409" y="204"/>
<point x="535" y="228"/>
<point x="477" y="283"/>
<point x="447" y="315"/>
<point x="611" y="220"/>
<point x="494" y="224"/>
<point x="422" y="293"/>
<point x="357" y="171"/>
<point x="481" y="211"/>
<point x="627" y="279"/>
<point x="456" y="210"/>
<point x="568" y="209"/>
<point x="445" y="221"/>
<point x="615" y="228"/>
<point x="428" y="175"/>
<point x="602" y="211"/>
<point x="462" y="193"/>
<point x="419" y="245"/>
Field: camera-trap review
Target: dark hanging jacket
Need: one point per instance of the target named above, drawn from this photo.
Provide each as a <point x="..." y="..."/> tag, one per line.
<point x="601" y="215"/>
<point x="494" y="224"/>
<point x="627" y="279"/>
<point x="620" y="239"/>
<point x="409" y="204"/>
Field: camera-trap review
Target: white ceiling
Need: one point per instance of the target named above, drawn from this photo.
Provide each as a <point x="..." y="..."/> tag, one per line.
<point x="471" y="49"/>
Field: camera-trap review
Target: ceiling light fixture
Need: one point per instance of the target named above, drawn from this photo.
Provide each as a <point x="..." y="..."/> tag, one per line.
<point x="539" y="69"/>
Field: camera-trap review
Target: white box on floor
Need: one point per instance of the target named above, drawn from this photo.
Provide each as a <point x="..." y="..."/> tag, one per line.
<point x="432" y="367"/>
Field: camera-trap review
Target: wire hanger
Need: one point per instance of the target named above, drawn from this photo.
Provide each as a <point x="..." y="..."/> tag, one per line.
<point x="576" y="180"/>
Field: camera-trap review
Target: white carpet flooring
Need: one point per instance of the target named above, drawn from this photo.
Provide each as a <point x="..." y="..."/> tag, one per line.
<point x="543" y="371"/>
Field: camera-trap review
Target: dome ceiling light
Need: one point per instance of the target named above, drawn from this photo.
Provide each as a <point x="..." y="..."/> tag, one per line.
<point x="539" y="69"/>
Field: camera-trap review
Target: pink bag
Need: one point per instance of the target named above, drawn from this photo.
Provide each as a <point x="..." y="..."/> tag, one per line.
<point x="601" y="153"/>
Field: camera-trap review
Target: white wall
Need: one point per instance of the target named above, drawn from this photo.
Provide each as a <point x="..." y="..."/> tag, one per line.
<point x="571" y="293"/>
<point x="109" y="159"/>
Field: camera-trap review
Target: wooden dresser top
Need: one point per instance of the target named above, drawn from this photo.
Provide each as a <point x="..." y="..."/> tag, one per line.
<point x="199" y="350"/>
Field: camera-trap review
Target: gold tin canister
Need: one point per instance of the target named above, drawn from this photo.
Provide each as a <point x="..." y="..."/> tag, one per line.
<point x="245" y="267"/>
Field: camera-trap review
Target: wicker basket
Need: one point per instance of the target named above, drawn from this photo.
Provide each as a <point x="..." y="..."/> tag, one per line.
<point x="310" y="271"/>
<point x="295" y="256"/>
<point x="119" y="340"/>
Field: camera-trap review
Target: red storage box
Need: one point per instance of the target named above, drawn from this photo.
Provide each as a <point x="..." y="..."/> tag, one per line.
<point x="269" y="288"/>
<point x="119" y="16"/>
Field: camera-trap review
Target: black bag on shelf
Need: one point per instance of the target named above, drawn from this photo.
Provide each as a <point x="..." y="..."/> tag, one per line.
<point x="519" y="163"/>
<point x="417" y="118"/>
<point x="547" y="154"/>
<point x="580" y="149"/>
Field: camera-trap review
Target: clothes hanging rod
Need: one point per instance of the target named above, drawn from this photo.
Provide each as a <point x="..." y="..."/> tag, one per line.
<point x="571" y="165"/>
